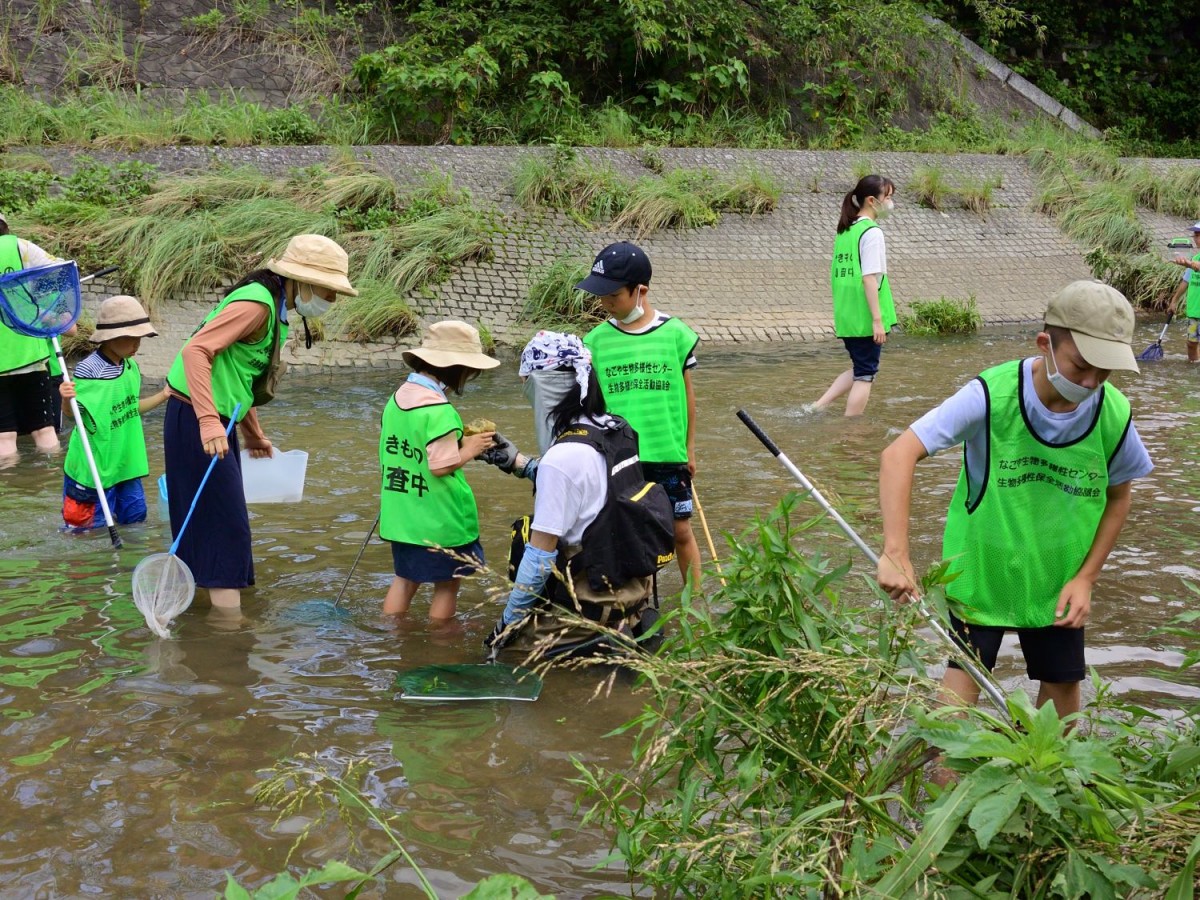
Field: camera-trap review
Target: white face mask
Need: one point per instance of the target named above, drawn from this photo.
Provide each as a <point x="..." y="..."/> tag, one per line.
<point x="1067" y="389"/>
<point x="309" y="305"/>
<point x="635" y="314"/>
<point x="885" y="207"/>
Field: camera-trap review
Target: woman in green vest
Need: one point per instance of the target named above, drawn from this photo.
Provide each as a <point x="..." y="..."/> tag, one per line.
<point x="863" y="311"/>
<point x="232" y="359"/>
<point x="426" y="508"/>
<point x="1190" y="285"/>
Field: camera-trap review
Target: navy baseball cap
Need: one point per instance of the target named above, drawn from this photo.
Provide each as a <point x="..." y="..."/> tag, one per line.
<point x="616" y="266"/>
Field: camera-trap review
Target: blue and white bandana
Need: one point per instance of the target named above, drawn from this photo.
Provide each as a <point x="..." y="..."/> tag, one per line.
<point x="549" y="350"/>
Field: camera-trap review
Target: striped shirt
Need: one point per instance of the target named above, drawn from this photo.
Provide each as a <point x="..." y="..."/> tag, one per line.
<point x="95" y="365"/>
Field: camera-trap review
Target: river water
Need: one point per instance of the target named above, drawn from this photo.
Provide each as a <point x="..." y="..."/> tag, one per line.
<point x="128" y="765"/>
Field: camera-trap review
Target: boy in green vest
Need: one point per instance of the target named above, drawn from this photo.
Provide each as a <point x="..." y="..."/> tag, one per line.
<point x="1049" y="457"/>
<point x="1190" y="285"/>
<point x="644" y="361"/>
<point x="107" y="387"/>
<point x="26" y="391"/>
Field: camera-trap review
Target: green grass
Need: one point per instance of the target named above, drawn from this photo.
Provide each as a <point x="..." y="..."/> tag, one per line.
<point x="930" y="188"/>
<point x="946" y="315"/>
<point x="553" y="302"/>
<point x="933" y="189"/>
<point x="379" y="309"/>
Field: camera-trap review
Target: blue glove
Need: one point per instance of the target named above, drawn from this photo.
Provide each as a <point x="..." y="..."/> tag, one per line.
<point x="532" y="575"/>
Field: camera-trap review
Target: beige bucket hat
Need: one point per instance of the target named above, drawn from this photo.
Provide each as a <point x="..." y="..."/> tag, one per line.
<point x="451" y="343"/>
<point x="315" y="259"/>
<point x="121" y="316"/>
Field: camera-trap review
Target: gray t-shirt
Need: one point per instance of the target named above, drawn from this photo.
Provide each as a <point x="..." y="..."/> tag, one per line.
<point x="963" y="417"/>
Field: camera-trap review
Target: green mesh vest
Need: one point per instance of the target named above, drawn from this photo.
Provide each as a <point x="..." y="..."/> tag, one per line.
<point x="108" y="408"/>
<point x="17" y="350"/>
<point x="416" y="506"/>
<point x="1028" y="531"/>
<point x="1193" y="293"/>
<point x="235" y="368"/>
<point x="641" y="376"/>
<point x="851" y="314"/>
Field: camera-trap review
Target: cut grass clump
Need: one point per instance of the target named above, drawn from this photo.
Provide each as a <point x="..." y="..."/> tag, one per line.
<point x="554" y="303"/>
<point x="679" y="198"/>
<point x="945" y="315"/>
<point x="1146" y="280"/>
<point x="379" y="309"/>
<point x="932" y="189"/>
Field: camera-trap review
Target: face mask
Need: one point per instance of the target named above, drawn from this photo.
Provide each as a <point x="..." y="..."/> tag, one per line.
<point x="309" y="305"/>
<point x="635" y="314"/>
<point x="1067" y="389"/>
<point x="884" y="209"/>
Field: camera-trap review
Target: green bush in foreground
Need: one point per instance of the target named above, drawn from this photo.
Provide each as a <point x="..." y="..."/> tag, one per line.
<point x="945" y="315"/>
<point x="554" y="303"/>
<point x="782" y="748"/>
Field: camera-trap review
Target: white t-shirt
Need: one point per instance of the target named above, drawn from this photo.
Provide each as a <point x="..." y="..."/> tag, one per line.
<point x="872" y="253"/>
<point x="963" y="417"/>
<point x="572" y="485"/>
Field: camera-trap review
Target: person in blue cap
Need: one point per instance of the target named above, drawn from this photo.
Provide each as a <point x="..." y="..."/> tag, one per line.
<point x="644" y="361"/>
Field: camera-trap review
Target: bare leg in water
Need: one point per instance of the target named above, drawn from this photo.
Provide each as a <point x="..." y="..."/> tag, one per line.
<point x="859" y="391"/>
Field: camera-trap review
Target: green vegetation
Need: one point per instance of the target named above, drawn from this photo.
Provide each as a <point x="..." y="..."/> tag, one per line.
<point x="934" y="190"/>
<point x="946" y="315"/>
<point x="782" y="750"/>
<point x="197" y="233"/>
<point x="554" y="303"/>
<point x="595" y="195"/>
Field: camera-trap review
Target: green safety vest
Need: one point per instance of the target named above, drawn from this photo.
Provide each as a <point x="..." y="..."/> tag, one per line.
<point x="17" y="350"/>
<point x="1015" y="545"/>
<point x="416" y="506"/>
<point x="235" y="368"/>
<point x="851" y="314"/>
<point x="108" y="409"/>
<point x="641" y="377"/>
<point x="1193" y="292"/>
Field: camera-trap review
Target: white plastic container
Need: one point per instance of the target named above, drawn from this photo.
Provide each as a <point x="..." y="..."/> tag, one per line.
<point x="279" y="479"/>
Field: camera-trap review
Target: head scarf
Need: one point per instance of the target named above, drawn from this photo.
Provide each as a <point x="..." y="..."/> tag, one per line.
<point x="549" y="350"/>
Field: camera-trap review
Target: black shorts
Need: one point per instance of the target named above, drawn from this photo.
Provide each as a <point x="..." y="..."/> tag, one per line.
<point x="1052" y="654"/>
<point x="864" y="356"/>
<point x="26" y="404"/>
<point x="677" y="481"/>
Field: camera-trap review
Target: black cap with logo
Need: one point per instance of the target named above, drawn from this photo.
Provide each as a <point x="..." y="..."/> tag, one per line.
<point x="616" y="266"/>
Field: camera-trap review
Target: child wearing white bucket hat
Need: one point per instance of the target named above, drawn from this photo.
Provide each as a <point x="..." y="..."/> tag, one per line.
<point x="107" y="387"/>
<point x="426" y="508"/>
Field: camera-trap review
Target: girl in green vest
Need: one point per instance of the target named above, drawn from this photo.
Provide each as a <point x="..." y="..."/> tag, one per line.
<point x="1190" y="285"/>
<point x="426" y="508"/>
<point x="863" y="311"/>
<point x="108" y="387"/>
<point x="234" y="358"/>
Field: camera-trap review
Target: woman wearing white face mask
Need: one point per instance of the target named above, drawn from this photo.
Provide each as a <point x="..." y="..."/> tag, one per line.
<point x="863" y="311"/>
<point x="233" y="358"/>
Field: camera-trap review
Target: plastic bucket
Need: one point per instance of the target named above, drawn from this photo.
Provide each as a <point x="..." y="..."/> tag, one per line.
<point x="279" y="479"/>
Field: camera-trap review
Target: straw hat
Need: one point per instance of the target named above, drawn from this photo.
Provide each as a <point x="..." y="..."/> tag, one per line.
<point x="121" y="316"/>
<point x="451" y="343"/>
<point x="315" y="259"/>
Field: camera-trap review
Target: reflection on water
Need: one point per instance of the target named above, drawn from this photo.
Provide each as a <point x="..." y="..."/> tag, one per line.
<point x="129" y="764"/>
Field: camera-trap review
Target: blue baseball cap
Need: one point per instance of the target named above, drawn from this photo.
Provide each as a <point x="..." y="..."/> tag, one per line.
<point x="1195" y="227"/>
<point x="615" y="267"/>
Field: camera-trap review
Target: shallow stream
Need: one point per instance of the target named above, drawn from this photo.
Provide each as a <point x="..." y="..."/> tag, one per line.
<point x="128" y="764"/>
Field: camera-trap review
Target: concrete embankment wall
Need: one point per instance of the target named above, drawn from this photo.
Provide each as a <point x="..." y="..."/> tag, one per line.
<point x="747" y="279"/>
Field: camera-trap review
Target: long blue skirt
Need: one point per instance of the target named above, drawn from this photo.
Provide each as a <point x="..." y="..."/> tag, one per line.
<point x="216" y="544"/>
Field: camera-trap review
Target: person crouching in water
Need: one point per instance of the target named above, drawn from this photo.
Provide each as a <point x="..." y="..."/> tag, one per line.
<point x="426" y="508"/>
<point x="107" y="387"/>
<point x="594" y="515"/>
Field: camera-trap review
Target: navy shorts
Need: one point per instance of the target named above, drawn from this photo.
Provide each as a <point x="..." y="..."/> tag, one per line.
<point x="82" y="510"/>
<point x="426" y="565"/>
<point x="864" y="356"/>
<point x="26" y="402"/>
<point x="1051" y="654"/>
<point x="677" y="481"/>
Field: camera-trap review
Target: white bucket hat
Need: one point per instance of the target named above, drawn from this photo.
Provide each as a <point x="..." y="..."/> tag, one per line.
<point x="122" y="316"/>
<point x="315" y="259"/>
<point x="451" y="343"/>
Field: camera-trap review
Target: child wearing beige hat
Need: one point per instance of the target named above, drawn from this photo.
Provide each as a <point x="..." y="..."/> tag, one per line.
<point x="107" y="387"/>
<point x="426" y="508"/>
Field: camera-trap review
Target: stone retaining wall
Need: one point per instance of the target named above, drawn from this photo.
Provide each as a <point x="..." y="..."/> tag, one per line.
<point x="762" y="278"/>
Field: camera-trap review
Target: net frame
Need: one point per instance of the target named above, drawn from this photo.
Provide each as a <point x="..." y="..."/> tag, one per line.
<point x="163" y="587"/>
<point x="41" y="302"/>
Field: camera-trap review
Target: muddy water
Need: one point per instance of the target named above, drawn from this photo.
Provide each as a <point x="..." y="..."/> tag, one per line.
<point x="127" y="765"/>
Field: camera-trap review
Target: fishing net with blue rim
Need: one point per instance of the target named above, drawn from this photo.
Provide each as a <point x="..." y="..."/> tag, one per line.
<point x="41" y="302"/>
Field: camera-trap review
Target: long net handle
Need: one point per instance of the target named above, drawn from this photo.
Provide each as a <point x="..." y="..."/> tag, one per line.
<point x="81" y="430"/>
<point x="212" y="464"/>
<point x="995" y="694"/>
